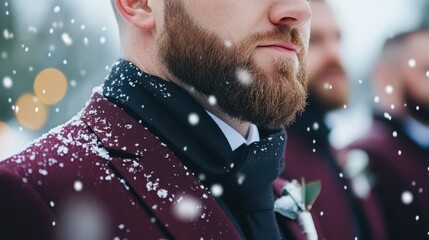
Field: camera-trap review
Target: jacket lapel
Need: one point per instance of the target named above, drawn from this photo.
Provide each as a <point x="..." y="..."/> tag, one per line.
<point x="168" y="190"/>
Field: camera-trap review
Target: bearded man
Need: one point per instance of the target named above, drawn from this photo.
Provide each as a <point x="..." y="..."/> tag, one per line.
<point x="185" y="138"/>
<point x="309" y="154"/>
<point x="397" y="145"/>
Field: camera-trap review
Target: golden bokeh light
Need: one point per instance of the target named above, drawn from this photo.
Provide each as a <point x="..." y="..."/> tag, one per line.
<point x="31" y="112"/>
<point x="50" y="86"/>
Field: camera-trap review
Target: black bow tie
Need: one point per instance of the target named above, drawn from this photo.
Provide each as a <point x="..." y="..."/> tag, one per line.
<point x="248" y="189"/>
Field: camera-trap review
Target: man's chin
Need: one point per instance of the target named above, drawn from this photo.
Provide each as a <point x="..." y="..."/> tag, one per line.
<point x="276" y="64"/>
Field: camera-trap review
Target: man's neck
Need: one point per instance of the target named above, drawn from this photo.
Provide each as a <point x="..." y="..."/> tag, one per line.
<point x="240" y="126"/>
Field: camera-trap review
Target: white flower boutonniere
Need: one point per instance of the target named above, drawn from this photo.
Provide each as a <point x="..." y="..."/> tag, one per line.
<point x="295" y="203"/>
<point x="356" y="169"/>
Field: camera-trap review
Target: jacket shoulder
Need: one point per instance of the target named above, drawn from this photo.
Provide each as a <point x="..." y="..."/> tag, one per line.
<point x="71" y="144"/>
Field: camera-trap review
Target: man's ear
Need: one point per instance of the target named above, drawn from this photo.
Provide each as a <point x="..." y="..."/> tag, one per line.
<point x="137" y="13"/>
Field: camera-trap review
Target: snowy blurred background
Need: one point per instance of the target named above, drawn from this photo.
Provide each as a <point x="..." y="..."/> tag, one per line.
<point x="77" y="41"/>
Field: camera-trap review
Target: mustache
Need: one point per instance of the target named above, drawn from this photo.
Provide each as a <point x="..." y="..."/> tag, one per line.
<point x="281" y="34"/>
<point x="331" y="66"/>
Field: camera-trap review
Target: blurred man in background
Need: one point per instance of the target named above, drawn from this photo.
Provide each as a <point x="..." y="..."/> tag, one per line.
<point x="309" y="153"/>
<point x="397" y="145"/>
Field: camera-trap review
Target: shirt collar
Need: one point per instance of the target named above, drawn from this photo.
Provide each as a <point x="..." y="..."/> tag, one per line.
<point x="234" y="138"/>
<point x="417" y="131"/>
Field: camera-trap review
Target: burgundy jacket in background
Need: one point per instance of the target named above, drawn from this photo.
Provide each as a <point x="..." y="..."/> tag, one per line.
<point x="333" y="206"/>
<point x="105" y="175"/>
<point x="401" y="167"/>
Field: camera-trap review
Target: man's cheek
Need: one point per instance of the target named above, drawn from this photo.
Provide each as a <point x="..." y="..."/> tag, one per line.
<point x="306" y="34"/>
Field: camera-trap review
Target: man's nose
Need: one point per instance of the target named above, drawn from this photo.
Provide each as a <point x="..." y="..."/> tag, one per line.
<point x="291" y="13"/>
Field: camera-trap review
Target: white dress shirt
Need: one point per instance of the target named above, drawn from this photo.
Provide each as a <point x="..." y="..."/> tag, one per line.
<point x="234" y="138"/>
<point x="417" y="131"/>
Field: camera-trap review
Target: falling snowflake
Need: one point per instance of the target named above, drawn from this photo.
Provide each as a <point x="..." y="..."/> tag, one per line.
<point x="73" y="83"/>
<point x="212" y="100"/>
<point x="202" y="176"/>
<point x="316" y="126"/>
<point x="228" y="43"/>
<point x="241" y="178"/>
<point x="57" y="9"/>
<point x="162" y="193"/>
<point x="407" y="198"/>
<point x="78" y="186"/>
<point x="216" y="190"/>
<point x="412" y="63"/>
<point x="43" y="172"/>
<point x="244" y="76"/>
<point x="187" y="208"/>
<point x="376" y="99"/>
<point x="389" y="89"/>
<point x="67" y="39"/>
<point x="193" y="119"/>
<point x="387" y="116"/>
<point x="326" y="86"/>
<point x="7" y="35"/>
<point x="7" y="82"/>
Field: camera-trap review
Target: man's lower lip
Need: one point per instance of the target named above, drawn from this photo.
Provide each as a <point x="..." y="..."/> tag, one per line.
<point x="280" y="49"/>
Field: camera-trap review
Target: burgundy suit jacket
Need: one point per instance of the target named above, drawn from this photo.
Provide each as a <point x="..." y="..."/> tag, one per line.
<point x="400" y="166"/>
<point x="105" y="166"/>
<point x="332" y="206"/>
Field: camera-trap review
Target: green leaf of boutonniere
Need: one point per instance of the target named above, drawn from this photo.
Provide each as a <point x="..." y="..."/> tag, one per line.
<point x="303" y="193"/>
<point x="310" y="193"/>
